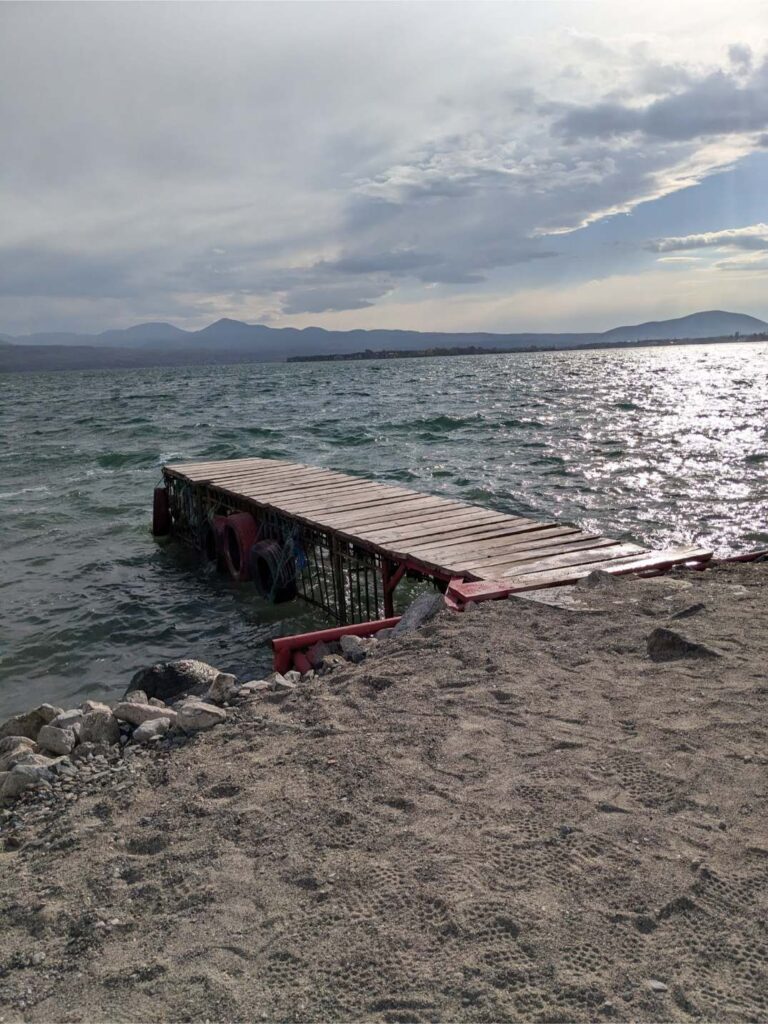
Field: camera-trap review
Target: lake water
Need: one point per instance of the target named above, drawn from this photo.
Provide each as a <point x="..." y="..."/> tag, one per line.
<point x="661" y="446"/>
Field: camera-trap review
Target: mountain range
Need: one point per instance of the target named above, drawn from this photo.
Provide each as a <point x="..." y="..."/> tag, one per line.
<point x="230" y="341"/>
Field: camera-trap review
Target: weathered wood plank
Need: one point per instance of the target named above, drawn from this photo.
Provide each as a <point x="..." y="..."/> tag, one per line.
<point x="481" y="549"/>
<point x="640" y="563"/>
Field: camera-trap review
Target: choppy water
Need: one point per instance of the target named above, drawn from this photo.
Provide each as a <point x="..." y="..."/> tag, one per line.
<point x="661" y="446"/>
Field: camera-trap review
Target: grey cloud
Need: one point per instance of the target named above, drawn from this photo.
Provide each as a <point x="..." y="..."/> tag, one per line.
<point x="716" y="104"/>
<point x="740" y="56"/>
<point x="331" y="298"/>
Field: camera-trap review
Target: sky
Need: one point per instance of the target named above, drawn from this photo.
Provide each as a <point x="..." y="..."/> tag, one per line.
<point x="504" y="166"/>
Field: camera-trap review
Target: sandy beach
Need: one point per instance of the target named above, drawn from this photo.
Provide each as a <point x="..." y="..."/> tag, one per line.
<point x="524" y="812"/>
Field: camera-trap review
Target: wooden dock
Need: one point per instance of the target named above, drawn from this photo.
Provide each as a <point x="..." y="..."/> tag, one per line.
<point x="345" y="525"/>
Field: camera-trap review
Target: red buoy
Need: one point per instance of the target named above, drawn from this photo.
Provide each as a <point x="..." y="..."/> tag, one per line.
<point x="161" y="513"/>
<point x="240" y="534"/>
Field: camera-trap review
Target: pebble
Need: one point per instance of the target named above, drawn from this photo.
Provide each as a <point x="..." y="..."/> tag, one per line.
<point x="657" y="986"/>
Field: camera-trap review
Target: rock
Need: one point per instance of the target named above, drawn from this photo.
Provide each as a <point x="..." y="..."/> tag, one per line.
<point x="24" y="776"/>
<point x="657" y="986"/>
<point x="50" y="712"/>
<point x="156" y="702"/>
<point x="67" y="719"/>
<point x="86" y="751"/>
<point x="57" y="740"/>
<point x="100" y="726"/>
<point x="689" y="610"/>
<point x="28" y="724"/>
<point x="137" y="697"/>
<point x="669" y="645"/>
<point x="353" y="648"/>
<point x="418" y="612"/>
<point x="384" y="634"/>
<point x="223" y="688"/>
<point x="282" y="684"/>
<point x="317" y="652"/>
<point x="255" y="686"/>
<point x="154" y="729"/>
<point x="94" y="705"/>
<point x="293" y="676"/>
<point x="172" y="678"/>
<point x="602" y="579"/>
<point x="11" y="742"/>
<point x="137" y="714"/>
<point x="36" y="760"/>
<point x="193" y="716"/>
<point x="16" y="753"/>
<point x="331" y="662"/>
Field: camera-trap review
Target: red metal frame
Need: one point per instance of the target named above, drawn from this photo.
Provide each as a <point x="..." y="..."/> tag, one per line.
<point x="288" y="650"/>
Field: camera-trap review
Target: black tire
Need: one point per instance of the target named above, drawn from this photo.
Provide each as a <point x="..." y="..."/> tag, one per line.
<point x="273" y="575"/>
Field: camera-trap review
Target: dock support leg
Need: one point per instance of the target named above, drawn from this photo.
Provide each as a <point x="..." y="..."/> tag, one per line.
<point x="338" y="583"/>
<point x="391" y="574"/>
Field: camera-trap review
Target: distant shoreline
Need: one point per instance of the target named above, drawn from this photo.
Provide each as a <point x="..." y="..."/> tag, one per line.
<point x="476" y="350"/>
<point x="60" y="358"/>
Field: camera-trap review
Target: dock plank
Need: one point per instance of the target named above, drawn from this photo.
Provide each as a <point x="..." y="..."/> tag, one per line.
<point x="444" y="535"/>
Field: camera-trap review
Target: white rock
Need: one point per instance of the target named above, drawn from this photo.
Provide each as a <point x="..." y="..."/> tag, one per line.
<point x="57" y="740"/>
<point x="94" y="705"/>
<point x="137" y="697"/>
<point x="282" y="684"/>
<point x="100" y="726"/>
<point x="293" y="676"/>
<point x="194" y="716"/>
<point x="151" y="730"/>
<point x="67" y="719"/>
<point x="156" y="702"/>
<point x="255" y="686"/>
<point x="223" y="688"/>
<point x="137" y="714"/>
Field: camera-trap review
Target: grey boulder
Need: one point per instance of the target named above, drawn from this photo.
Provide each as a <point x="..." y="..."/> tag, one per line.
<point x="170" y="679"/>
<point x="137" y="714"/>
<point x="151" y="730"/>
<point x="57" y="740"/>
<point x="28" y="724"/>
<point x="100" y="726"/>
<point x="195" y="716"/>
<point x="223" y="688"/>
<point x="425" y="607"/>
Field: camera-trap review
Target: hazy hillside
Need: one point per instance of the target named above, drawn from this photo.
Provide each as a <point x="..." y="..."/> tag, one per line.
<point x="229" y="341"/>
<point x="712" y="324"/>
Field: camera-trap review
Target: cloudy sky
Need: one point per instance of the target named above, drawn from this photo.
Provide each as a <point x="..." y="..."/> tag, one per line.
<point x="506" y="167"/>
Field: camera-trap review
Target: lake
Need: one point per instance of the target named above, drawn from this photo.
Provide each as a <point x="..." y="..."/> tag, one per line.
<point x="661" y="445"/>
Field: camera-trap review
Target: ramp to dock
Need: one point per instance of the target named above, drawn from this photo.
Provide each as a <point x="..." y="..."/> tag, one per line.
<point x="405" y="530"/>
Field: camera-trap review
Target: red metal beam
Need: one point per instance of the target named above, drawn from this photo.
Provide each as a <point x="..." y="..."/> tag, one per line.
<point x="283" y="647"/>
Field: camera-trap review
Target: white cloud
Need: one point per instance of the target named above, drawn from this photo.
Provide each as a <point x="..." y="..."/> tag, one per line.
<point x="754" y="237"/>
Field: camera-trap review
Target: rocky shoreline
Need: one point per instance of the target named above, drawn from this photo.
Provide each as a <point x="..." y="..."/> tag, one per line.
<point x="47" y="753"/>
